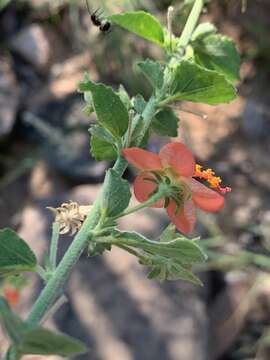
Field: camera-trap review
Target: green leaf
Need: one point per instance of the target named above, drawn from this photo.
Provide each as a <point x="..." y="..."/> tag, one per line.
<point x="116" y="195"/>
<point x="13" y="325"/>
<point x="186" y="251"/>
<point x="140" y="23"/>
<point x="194" y="83"/>
<point x="95" y="249"/>
<point x="15" y="255"/>
<point x="123" y="94"/>
<point x="169" y="233"/>
<point x="102" y="134"/>
<point x="169" y="260"/>
<point x="40" y="341"/>
<point x="103" y="144"/>
<point x="36" y="340"/>
<point x="4" y="3"/>
<point x="218" y="52"/>
<point x="153" y="71"/>
<point x="102" y="150"/>
<point x="172" y="270"/>
<point x="139" y="104"/>
<point x="111" y="112"/>
<point x="165" y="123"/>
<point x="203" y="30"/>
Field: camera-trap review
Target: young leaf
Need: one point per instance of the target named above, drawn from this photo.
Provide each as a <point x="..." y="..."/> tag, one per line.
<point x="203" y="30"/>
<point x="153" y="71"/>
<point x="15" y="255"/>
<point x="194" y="83"/>
<point x="117" y="194"/>
<point x="140" y="23"/>
<point x="165" y="123"/>
<point x="217" y="52"/>
<point x="139" y="103"/>
<point x="111" y="112"/>
<point x="40" y="341"/>
<point x="123" y="94"/>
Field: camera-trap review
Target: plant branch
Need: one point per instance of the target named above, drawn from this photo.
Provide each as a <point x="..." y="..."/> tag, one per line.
<point x="54" y="244"/>
<point x="51" y="291"/>
<point x="191" y="23"/>
<point x="55" y="284"/>
<point x="159" y="195"/>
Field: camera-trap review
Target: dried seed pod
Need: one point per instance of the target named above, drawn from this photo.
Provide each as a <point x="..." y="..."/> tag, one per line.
<point x="70" y="216"/>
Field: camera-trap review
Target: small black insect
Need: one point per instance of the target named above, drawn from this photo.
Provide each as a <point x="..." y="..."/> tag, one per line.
<point x="95" y="18"/>
<point x="103" y="24"/>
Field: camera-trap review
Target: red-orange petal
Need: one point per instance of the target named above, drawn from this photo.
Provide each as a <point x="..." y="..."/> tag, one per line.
<point x="179" y="157"/>
<point x="142" y="159"/>
<point x="205" y="198"/>
<point x="185" y="219"/>
<point x="143" y="188"/>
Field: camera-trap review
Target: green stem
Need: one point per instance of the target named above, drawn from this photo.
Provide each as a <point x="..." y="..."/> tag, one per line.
<point x="54" y="244"/>
<point x="159" y="195"/>
<point x="55" y="284"/>
<point x="41" y="272"/>
<point x="191" y="23"/>
<point x="51" y="291"/>
<point x="168" y="100"/>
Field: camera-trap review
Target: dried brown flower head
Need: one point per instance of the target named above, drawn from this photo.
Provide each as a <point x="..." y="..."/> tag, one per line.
<point x="70" y="216"/>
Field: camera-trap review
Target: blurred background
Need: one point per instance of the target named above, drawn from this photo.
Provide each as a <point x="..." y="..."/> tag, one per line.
<point x="45" y="47"/>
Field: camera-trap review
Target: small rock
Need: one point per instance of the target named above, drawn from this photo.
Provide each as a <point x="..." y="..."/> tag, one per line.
<point x="38" y="45"/>
<point x="9" y="97"/>
<point x="256" y="120"/>
<point x="72" y="158"/>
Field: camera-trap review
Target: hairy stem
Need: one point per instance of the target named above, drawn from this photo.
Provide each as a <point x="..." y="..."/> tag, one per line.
<point x="51" y="291"/>
<point x="159" y="195"/>
<point x="53" y="288"/>
<point x="54" y="244"/>
<point x="191" y="23"/>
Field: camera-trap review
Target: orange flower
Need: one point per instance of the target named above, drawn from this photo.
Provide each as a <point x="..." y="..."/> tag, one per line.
<point x="12" y="295"/>
<point x="176" y="165"/>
